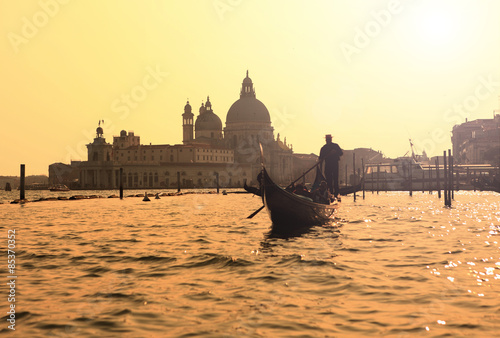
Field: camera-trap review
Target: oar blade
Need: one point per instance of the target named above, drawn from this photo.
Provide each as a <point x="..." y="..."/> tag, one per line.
<point x="256" y="212"/>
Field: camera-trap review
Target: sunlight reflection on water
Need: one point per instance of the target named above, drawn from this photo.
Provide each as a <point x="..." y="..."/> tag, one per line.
<point x="389" y="265"/>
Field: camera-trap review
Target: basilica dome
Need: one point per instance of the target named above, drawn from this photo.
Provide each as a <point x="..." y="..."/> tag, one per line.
<point x="207" y="120"/>
<point x="248" y="108"/>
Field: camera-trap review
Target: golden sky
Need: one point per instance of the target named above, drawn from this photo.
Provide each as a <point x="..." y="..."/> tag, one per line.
<point x="372" y="73"/>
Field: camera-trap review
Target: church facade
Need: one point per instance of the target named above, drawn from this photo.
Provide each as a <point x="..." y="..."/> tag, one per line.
<point x="209" y="152"/>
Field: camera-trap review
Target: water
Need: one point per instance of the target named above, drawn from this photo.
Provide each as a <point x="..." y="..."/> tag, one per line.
<point x="193" y="265"/>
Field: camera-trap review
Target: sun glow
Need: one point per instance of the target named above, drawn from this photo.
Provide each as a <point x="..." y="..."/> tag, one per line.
<point x="440" y="32"/>
<point x="438" y="28"/>
<point x="437" y="25"/>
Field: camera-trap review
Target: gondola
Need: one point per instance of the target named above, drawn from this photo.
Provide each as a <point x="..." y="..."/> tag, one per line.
<point x="289" y="211"/>
<point x="252" y="190"/>
<point x="486" y="184"/>
<point x="350" y="189"/>
<point x="343" y="191"/>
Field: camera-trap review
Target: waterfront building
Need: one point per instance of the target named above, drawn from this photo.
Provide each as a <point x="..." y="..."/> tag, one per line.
<point x="477" y="142"/>
<point x="207" y="151"/>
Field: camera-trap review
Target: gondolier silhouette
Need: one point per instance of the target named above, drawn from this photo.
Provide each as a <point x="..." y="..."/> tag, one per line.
<point x="330" y="153"/>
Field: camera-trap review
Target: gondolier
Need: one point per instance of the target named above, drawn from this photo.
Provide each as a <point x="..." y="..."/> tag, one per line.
<point x="330" y="153"/>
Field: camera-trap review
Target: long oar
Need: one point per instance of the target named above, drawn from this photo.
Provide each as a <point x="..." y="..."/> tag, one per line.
<point x="314" y="166"/>
<point x="304" y="174"/>
<point x="256" y="212"/>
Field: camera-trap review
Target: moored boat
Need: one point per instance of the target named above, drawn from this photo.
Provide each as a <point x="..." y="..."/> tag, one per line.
<point x="289" y="211"/>
<point x="252" y="190"/>
<point x="59" y="187"/>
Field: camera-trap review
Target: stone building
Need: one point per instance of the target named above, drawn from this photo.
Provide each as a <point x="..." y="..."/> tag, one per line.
<point x="208" y="150"/>
<point x="477" y="142"/>
<point x="156" y="166"/>
<point x="248" y="123"/>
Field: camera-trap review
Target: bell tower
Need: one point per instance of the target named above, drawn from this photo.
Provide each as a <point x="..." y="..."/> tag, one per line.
<point x="187" y="124"/>
<point x="247" y="89"/>
<point x="99" y="150"/>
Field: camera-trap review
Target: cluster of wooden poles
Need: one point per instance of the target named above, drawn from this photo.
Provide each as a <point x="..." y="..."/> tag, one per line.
<point x="178" y="182"/>
<point x="447" y="186"/>
<point x="448" y="190"/>
<point x="23" y="175"/>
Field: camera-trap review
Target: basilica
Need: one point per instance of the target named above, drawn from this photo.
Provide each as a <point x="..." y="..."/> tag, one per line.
<point x="209" y="152"/>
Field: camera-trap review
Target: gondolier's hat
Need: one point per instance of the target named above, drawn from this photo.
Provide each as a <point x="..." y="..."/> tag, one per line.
<point x="328" y="136"/>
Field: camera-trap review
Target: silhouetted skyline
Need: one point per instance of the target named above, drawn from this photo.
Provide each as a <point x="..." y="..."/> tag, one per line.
<point x="371" y="74"/>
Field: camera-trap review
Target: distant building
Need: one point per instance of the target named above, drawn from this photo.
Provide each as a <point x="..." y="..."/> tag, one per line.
<point x="357" y="157"/>
<point x="67" y="174"/>
<point x="477" y="142"/>
<point x="207" y="149"/>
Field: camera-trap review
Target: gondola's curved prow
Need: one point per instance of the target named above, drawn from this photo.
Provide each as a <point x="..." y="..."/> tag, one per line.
<point x="291" y="211"/>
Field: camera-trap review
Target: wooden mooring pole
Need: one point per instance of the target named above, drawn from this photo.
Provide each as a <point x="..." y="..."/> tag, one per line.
<point x="363" y="184"/>
<point x="378" y="178"/>
<point x="452" y="181"/>
<point x="423" y="180"/>
<point x="411" y="178"/>
<point x="217" y="181"/>
<point x="22" y="183"/>
<point x="178" y="181"/>
<point x="446" y="190"/>
<point x="354" y="182"/>
<point x="438" y="187"/>
<point x="121" y="183"/>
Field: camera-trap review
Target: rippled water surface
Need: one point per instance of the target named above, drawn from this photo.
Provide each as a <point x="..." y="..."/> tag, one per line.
<point x="193" y="265"/>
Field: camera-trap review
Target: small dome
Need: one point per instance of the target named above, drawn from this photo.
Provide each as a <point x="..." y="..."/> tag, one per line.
<point x="187" y="107"/>
<point x="99" y="131"/>
<point x="123" y="133"/>
<point x="247" y="79"/>
<point x="208" y="121"/>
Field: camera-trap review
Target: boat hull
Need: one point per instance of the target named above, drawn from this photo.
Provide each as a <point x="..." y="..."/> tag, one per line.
<point x="289" y="211"/>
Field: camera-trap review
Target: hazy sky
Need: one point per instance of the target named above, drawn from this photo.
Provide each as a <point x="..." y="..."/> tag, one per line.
<point x="372" y="73"/>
